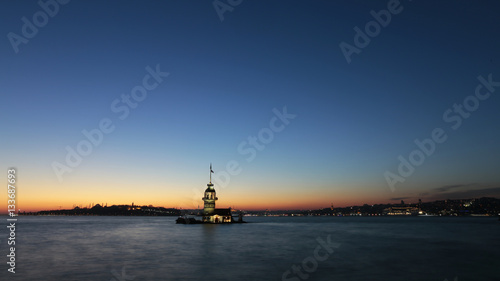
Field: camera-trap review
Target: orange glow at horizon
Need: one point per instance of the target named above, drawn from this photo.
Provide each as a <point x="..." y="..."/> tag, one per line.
<point x="45" y="194"/>
<point x="170" y="198"/>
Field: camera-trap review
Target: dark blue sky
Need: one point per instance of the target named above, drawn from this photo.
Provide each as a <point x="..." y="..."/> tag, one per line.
<point x="352" y="120"/>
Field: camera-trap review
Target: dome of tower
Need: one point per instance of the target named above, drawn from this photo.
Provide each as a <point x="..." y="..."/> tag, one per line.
<point x="210" y="188"/>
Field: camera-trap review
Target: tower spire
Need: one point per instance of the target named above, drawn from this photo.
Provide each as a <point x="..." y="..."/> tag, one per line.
<point x="211" y="171"/>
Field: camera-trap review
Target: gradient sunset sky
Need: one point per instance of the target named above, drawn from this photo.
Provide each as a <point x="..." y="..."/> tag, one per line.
<point x="227" y="78"/>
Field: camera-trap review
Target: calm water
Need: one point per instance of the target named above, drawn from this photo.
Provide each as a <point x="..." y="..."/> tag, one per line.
<point x="155" y="248"/>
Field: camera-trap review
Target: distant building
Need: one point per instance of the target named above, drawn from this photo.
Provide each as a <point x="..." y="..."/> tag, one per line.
<point x="210" y="213"/>
<point x="401" y="211"/>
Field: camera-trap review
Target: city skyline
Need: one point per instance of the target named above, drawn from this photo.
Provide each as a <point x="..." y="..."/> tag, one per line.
<point x="130" y="102"/>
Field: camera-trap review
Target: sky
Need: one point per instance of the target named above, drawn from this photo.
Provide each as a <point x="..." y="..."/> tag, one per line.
<point x="296" y="104"/>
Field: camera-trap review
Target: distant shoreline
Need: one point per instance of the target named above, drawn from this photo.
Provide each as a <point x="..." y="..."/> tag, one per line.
<point x="485" y="206"/>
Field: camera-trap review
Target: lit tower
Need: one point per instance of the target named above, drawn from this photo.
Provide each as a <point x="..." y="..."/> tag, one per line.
<point x="209" y="197"/>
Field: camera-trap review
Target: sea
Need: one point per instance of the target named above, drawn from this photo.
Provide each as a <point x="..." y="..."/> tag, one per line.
<point x="66" y="248"/>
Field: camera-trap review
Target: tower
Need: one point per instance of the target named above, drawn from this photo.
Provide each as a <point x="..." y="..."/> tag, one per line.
<point x="209" y="197"/>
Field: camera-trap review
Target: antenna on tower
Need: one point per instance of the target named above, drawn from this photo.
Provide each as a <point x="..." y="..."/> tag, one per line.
<point x="211" y="171"/>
